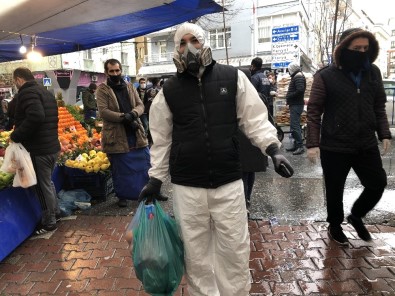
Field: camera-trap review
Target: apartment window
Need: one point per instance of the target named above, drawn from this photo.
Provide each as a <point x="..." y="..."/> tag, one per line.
<point x="264" y="27"/>
<point x="162" y="50"/>
<point x="393" y="33"/>
<point x="392" y="44"/>
<point x="124" y="58"/>
<point x="218" y="37"/>
<point x="88" y="54"/>
<point x="105" y="51"/>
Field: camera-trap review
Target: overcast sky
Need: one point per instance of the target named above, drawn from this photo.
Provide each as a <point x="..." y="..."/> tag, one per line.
<point x="378" y="10"/>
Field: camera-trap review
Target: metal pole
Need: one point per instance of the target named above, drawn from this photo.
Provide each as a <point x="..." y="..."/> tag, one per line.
<point x="226" y="42"/>
<point x="334" y="28"/>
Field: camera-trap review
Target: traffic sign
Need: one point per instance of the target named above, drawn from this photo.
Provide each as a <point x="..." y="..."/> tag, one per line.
<point x="285" y="30"/>
<point x="280" y="65"/>
<point x="285" y="46"/>
<point x="285" y="51"/>
<point x="47" y="82"/>
<point x="285" y="37"/>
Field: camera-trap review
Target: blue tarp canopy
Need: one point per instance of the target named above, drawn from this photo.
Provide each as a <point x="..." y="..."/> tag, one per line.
<point x="62" y="26"/>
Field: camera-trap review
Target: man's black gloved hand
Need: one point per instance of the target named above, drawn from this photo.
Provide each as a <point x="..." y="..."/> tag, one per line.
<point x="129" y="117"/>
<point x="151" y="191"/>
<point x="281" y="164"/>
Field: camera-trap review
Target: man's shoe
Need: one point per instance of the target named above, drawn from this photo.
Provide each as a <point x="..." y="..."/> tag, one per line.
<point x="357" y="223"/>
<point x="291" y="149"/>
<point x="41" y="229"/>
<point x="336" y="233"/>
<point x="298" y="151"/>
<point x="122" y="203"/>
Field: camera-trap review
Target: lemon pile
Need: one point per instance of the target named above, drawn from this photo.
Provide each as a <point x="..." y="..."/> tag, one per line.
<point x="91" y="162"/>
<point x="4" y="136"/>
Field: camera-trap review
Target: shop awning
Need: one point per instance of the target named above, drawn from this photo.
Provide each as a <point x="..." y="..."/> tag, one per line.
<point x="62" y="26"/>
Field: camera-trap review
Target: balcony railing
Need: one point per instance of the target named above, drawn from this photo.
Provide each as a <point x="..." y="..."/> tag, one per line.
<point x="159" y="58"/>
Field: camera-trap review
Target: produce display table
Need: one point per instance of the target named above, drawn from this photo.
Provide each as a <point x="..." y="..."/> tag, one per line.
<point x="19" y="214"/>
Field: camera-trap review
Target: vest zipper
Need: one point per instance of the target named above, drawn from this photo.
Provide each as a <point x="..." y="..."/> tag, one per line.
<point x="205" y="129"/>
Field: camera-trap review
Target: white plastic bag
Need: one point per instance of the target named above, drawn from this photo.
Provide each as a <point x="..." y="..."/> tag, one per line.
<point x="9" y="163"/>
<point x="20" y="163"/>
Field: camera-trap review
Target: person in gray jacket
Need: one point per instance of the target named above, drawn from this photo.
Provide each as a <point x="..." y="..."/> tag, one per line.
<point x="194" y="122"/>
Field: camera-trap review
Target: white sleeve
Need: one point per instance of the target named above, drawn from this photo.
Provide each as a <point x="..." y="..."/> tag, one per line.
<point x="252" y="115"/>
<point x="161" y="129"/>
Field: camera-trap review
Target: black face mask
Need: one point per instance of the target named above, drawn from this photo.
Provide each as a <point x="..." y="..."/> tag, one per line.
<point x="353" y="60"/>
<point x="115" y="78"/>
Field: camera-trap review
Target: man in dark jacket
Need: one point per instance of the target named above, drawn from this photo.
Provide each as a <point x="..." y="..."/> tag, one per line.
<point x="194" y="122"/>
<point x="36" y="128"/>
<point x="260" y="81"/>
<point x="295" y="101"/>
<point x="89" y="102"/>
<point x="350" y="95"/>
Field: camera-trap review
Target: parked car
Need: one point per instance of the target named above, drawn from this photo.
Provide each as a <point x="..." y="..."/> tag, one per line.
<point x="389" y="86"/>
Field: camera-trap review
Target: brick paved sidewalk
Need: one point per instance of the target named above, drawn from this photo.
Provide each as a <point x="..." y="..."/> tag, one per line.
<point x="89" y="256"/>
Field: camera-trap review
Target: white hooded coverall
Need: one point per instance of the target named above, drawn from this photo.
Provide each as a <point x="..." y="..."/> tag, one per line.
<point x="213" y="222"/>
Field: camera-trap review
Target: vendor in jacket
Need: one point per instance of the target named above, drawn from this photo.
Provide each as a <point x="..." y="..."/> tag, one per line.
<point x="295" y="101"/>
<point x="89" y="103"/>
<point x="123" y="135"/>
<point x="36" y="128"/>
<point x="194" y="122"/>
<point x="346" y="110"/>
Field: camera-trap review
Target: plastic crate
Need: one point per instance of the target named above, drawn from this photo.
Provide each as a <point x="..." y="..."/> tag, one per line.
<point x="98" y="185"/>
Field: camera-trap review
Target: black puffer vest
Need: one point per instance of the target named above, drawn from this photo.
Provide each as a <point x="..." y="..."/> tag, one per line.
<point x="205" y="150"/>
<point x="349" y="121"/>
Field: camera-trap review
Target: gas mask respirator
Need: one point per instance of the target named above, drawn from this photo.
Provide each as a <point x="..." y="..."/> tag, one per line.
<point x="192" y="59"/>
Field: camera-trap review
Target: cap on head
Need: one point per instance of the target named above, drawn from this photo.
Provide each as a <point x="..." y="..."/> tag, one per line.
<point x="188" y="28"/>
<point x="92" y="86"/>
<point x="293" y="67"/>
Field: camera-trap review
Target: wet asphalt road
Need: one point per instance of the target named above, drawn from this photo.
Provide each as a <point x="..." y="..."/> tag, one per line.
<point x="300" y="197"/>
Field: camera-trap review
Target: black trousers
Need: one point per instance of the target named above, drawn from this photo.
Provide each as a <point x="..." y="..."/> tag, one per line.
<point x="368" y="167"/>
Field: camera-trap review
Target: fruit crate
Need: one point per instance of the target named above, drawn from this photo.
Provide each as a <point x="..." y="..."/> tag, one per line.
<point x="97" y="185"/>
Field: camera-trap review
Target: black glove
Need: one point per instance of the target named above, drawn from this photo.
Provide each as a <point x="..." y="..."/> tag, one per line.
<point x="151" y="191"/>
<point x="281" y="164"/>
<point x="129" y="117"/>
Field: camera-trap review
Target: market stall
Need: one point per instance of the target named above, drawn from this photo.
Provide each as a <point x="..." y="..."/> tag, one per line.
<point x="81" y="165"/>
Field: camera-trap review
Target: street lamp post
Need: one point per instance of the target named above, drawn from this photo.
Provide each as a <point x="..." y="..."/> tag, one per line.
<point x="334" y="27"/>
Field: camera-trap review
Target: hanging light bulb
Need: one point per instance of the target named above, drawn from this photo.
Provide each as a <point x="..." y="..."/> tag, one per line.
<point x="23" y="48"/>
<point x="33" y="55"/>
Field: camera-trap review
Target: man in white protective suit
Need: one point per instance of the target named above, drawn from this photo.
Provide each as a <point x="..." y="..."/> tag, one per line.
<point x="194" y="121"/>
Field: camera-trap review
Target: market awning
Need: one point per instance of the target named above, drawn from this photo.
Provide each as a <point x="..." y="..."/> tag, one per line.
<point x="61" y="26"/>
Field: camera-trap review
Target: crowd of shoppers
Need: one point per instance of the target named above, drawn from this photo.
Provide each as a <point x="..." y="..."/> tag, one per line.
<point x="209" y="131"/>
